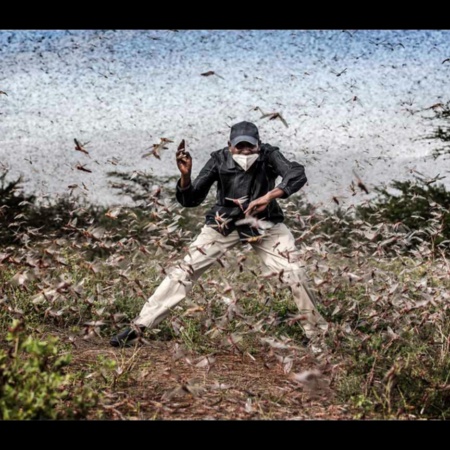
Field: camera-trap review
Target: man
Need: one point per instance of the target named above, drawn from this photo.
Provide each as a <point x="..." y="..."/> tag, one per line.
<point x="246" y="210"/>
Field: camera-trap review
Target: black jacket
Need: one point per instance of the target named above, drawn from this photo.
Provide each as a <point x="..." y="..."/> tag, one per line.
<point x="234" y="182"/>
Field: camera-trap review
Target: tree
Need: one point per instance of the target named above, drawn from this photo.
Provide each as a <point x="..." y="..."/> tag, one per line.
<point x="441" y="115"/>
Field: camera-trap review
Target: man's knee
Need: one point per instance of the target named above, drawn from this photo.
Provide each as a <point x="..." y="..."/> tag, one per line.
<point x="181" y="273"/>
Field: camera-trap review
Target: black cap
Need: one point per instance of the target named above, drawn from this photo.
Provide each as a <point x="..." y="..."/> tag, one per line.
<point x="244" y="132"/>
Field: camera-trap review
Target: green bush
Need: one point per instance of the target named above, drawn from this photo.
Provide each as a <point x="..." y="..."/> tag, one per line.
<point x="22" y="217"/>
<point x="33" y="384"/>
<point x="418" y="205"/>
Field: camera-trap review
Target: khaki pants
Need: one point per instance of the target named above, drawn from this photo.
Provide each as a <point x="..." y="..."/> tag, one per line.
<point x="276" y="250"/>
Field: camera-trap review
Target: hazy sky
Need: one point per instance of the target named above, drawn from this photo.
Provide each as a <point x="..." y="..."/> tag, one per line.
<point x="354" y="100"/>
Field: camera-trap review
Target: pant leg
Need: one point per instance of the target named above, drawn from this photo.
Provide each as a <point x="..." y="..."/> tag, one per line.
<point x="278" y="252"/>
<point x="178" y="283"/>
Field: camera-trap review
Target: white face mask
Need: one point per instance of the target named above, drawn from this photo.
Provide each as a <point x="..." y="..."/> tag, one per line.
<point x="245" y="161"/>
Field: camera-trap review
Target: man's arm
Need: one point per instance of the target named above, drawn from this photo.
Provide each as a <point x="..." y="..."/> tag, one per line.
<point x="192" y="193"/>
<point x="261" y="203"/>
<point x="293" y="179"/>
<point x="292" y="173"/>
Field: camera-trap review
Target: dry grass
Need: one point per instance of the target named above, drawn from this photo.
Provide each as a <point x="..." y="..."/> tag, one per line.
<point x="234" y="350"/>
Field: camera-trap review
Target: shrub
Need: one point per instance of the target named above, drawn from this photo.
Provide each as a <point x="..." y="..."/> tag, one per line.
<point x="419" y="205"/>
<point x="33" y="384"/>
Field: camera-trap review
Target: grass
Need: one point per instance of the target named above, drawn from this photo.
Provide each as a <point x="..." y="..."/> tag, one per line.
<point x="386" y="355"/>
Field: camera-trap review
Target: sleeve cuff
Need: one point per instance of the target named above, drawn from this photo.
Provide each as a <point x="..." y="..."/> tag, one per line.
<point x="182" y="189"/>
<point x="283" y="187"/>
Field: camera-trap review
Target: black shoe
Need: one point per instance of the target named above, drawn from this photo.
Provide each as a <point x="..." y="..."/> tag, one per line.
<point x="126" y="337"/>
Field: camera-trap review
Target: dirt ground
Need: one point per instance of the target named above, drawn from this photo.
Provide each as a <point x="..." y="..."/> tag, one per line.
<point x="161" y="380"/>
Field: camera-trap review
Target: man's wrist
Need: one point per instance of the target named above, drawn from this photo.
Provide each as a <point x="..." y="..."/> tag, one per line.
<point x="274" y="193"/>
<point x="185" y="181"/>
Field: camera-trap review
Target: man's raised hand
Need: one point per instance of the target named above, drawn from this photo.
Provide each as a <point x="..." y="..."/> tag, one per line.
<point x="184" y="159"/>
